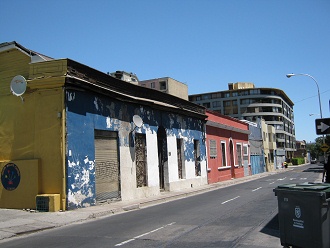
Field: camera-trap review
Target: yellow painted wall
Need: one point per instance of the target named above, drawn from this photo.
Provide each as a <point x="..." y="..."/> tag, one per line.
<point x="24" y="195"/>
<point x="12" y="63"/>
<point x="33" y="129"/>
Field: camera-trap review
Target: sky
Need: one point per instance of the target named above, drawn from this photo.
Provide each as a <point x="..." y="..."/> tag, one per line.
<point x="205" y="44"/>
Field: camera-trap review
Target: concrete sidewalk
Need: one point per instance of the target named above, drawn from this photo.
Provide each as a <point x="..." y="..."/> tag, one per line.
<point x="18" y="222"/>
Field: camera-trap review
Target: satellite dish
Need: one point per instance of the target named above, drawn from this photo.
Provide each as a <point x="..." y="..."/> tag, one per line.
<point x="137" y="120"/>
<point x="18" y="85"/>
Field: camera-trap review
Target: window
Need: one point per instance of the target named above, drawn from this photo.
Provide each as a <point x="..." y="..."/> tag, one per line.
<point x="180" y="154"/>
<point x="162" y="85"/>
<point x="223" y="153"/>
<point x="216" y="104"/>
<point x="227" y="103"/>
<point x="245" y="150"/>
<point x="206" y="96"/>
<point x="254" y="92"/>
<point x="152" y="85"/>
<point x="141" y="160"/>
<point x="226" y="94"/>
<point x="197" y="155"/>
<point x="239" y="154"/>
<point x="206" y="104"/>
<point x="216" y="95"/>
<point x="213" y="149"/>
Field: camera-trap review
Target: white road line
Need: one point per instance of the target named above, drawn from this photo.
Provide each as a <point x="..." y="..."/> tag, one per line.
<point x="144" y="234"/>
<point x="272" y="183"/>
<point x="281" y="179"/>
<point x="256" y="189"/>
<point x="230" y="200"/>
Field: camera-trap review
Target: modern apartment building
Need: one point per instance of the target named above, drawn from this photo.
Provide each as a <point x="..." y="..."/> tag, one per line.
<point x="167" y="85"/>
<point x="246" y="102"/>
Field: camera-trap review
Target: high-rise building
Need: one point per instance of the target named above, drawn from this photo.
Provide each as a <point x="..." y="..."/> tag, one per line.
<point x="246" y="102"/>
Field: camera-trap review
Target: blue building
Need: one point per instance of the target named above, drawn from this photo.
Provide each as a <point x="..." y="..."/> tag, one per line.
<point x="125" y="141"/>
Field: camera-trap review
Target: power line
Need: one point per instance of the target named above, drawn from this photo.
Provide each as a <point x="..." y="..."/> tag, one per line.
<point x="304" y="99"/>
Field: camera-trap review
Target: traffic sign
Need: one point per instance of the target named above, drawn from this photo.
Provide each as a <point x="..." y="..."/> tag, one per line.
<point x="325" y="147"/>
<point x="322" y="126"/>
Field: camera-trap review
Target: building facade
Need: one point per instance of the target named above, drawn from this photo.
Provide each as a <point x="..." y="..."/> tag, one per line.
<point x="228" y="150"/>
<point x="256" y="145"/>
<point x="269" y="144"/>
<point x="82" y="136"/>
<point x="167" y="85"/>
<point x="244" y="101"/>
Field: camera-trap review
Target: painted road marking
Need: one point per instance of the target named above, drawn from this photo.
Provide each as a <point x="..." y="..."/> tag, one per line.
<point x="272" y="183"/>
<point x="281" y="179"/>
<point x="256" y="189"/>
<point x="230" y="200"/>
<point x="144" y="234"/>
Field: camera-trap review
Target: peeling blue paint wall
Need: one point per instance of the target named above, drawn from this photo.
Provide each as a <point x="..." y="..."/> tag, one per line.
<point x="87" y="112"/>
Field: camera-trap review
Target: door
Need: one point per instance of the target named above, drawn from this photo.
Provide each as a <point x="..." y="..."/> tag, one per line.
<point x="162" y="155"/>
<point x="107" y="179"/>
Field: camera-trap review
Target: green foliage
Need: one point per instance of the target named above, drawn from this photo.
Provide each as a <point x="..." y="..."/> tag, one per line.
<point x="315" y="148"/>
<point x="297" y="161"/>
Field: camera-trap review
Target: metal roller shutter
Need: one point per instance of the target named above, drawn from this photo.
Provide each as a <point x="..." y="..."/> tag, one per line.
<point x="107" y="177"/>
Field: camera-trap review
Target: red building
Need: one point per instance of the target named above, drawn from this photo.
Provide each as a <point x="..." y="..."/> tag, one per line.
<point x="228" y="152"/>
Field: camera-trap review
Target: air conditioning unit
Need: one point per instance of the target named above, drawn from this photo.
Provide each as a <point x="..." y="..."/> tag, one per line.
<point x="48" y="202"/>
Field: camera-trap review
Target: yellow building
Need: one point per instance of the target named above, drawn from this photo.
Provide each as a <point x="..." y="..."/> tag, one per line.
<point x="30" y="126"/>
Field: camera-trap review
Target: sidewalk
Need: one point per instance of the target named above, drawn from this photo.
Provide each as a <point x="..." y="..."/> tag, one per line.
<point x="15" y="222"/>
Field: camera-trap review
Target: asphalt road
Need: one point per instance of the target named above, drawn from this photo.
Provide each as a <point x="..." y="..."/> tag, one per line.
<point x="243" y="215"/>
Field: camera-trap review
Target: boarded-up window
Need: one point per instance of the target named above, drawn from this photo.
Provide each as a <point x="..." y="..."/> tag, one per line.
<point x="213" y="149"/>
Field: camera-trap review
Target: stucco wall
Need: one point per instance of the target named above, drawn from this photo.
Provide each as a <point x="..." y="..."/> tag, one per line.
<point x="87" y="112"/>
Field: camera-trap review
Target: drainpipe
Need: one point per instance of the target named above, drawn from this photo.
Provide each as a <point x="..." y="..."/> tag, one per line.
<point x="63" y="193"/>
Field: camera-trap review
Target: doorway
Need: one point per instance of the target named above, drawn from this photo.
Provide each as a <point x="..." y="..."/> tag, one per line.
<point x="162" y="155"/>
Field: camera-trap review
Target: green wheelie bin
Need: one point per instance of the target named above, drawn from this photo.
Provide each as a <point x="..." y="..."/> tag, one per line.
<point x="303" y="212"/>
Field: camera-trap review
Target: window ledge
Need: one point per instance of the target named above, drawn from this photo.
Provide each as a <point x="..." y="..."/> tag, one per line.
<point x="223" y="167"/>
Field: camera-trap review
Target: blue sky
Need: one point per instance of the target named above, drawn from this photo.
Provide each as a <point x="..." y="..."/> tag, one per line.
<point x="205" y="44"/>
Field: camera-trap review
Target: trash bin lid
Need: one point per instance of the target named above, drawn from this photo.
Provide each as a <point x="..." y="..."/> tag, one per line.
<point x="306" y="187"/>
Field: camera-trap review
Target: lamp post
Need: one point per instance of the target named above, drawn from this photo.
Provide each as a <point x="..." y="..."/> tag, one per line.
<point x="317" y="85"/>
<point x="318" y="93"/>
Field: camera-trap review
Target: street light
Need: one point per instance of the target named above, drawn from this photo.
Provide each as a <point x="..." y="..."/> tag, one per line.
<point x="318" y="93"/>
<point x="317" y="85"/>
